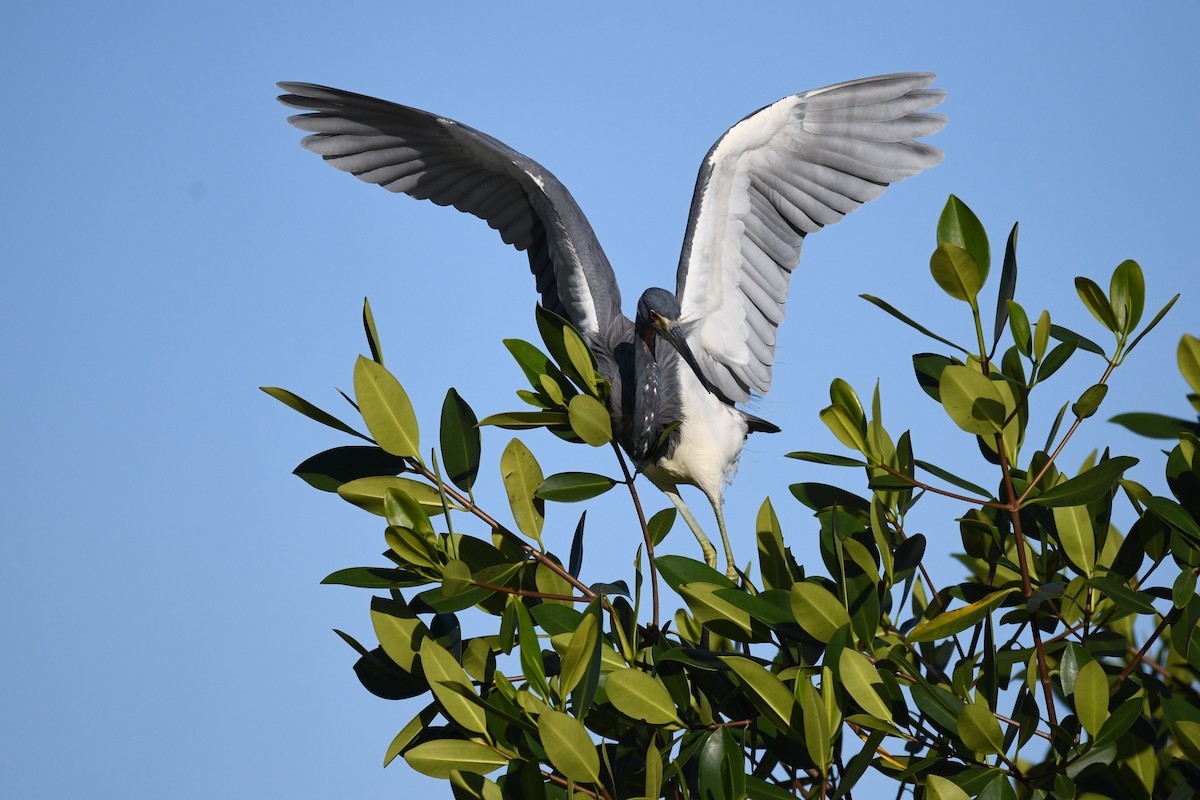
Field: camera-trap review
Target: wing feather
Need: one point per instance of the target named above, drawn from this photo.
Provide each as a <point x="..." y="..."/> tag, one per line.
<point x="786" y="171"/>
<point x="406" y="150"/>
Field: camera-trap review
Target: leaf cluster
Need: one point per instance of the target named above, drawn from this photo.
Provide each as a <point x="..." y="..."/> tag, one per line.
<point x="1063" y="663"/>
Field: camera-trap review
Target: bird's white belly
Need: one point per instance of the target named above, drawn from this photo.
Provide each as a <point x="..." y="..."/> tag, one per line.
<point x="710" y="438"/>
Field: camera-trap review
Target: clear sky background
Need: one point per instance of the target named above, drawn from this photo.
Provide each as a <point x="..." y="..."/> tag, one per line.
<point x="168" y="247"/>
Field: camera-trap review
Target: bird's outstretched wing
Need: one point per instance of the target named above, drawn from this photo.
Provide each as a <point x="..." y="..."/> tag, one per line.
<point x="785" y="171"/>
<point x="433" y="158"/>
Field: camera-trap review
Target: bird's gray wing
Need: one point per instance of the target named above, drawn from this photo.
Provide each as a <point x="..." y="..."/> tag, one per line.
<point x="785" y="171"/>
<point x="433" y="158"/>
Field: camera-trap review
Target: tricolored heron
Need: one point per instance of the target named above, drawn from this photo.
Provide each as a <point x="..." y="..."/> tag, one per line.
<point x="781" y="173"/>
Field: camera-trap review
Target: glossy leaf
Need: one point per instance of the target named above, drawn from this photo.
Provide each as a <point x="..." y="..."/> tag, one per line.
<point x="1008" y="287"/>
<point x="369" y="493"/>
<point x="641" y="696"/>
<point x="949" y="623"/>
<point x="1188" y="356"/>
<point x="1082" y="342"/>
<point x="330" y="469"/>
<point x="1162" y="312"/>
<point x="578" y="655"/>
<point x="1018" y="324"/>
<point x="1091" y="697"/>
<point x="1078" y="539"/>
<point x="589" y="419"/>
<point x="1055" y="359"/>
<point x="1089" y="401"/>
<point x="765" y="689"/>
<point x="522" y="476"/>
<point x="660" y="524"/>
<point x="386" y="409"/>
<point x="1041" y="336"/>
<point x="1155" y="426"/>
<point x="862" y="681"/>
<point x="569" y="747"/>
<point x="403" y="511"/>
<point x="1095" y="301"/>
<point x="957" y="272"/>
<point x="443" y="674"/>
<point x="573" y="487"/>
<point x="1087" y="486"/>
<point x="373" y="578"/>
<point x="844" y="427"/>
<point x="939" y="788"/>
<point x="459" y="441"/>
<point x="817" y="611"/>
<point x="1127" y="295"/>
<point x="817" y="733"/>
<point x="959" y="226"/>
<point x="525" y="420"/>
<point x="883" y="304"/>
<point x="409" y="732"/>
<point x="306" y="408"/>
<point x="980" y="730"/>
<point x="928" y="368"/>
<point x="440" y="756"/>
<point x="372" y="333"/>
<point x="972" y="400"/>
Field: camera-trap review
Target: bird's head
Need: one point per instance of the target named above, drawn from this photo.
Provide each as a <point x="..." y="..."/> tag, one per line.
<point x="658" y="316"/>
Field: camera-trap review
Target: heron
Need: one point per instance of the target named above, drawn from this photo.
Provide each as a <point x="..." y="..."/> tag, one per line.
<point x="682" y="367"/>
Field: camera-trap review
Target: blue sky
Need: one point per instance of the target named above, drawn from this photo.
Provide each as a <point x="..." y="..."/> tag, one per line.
<point x="169" y="247"/>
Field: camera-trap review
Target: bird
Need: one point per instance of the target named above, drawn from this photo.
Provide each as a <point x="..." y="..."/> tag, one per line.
<point x="682" y="367"/>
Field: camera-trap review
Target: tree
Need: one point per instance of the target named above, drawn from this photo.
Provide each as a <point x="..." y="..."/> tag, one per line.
<point x="1064" y="664"/>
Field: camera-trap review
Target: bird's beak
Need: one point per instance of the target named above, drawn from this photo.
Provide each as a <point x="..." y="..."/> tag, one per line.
<point x="668" y="330"/>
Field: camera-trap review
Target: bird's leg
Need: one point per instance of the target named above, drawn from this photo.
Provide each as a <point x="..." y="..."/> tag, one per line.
<point x="710" y="552"/>
<point x="730" y="564"/>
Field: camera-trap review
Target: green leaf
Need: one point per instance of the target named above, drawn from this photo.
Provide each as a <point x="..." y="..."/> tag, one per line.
<point x="401" y="634"/>
<point x="910" y="322"/>
<point x="1081" y="341"/>
<point x="1041" y="336"/>
<point x="1008" y="287"/>
<point x="817" y="611"/>
<point x="578" y="656"/>
<point x="972" y="400"/>
<point x="817" y="737"/>
<point x="386" y="409"/>
<point x="928" y="368"/>
<point x="410" y="732"/>
<point x="949" y="477"/>
<point x="1127" y="294"/>
<point x="569" y="747"/>
<point x="1154" y="322"/>
<point x="1183" y="588"/>
<point x="1018" y="324"/>
<point x="980" y="730"/>
<point x="330" y="469"/>
<point x="1078" y="538"/>
<point x="1089" y="401"/>
<point x="957" y="272"/>
<point x="958" y="225"/>
<point x="679" y="570"/>
<point x="844" y="427"/>
<point x="532" y="663"/>
<point x="306" y="408"/>
<point x="1174" y="515"/>
<point x="1091" y="697"/>
<point x="373" y="578"/>
<point x="403" y="511"/>
<point x="522" y="476"/>
<point x="524" y="420"/>
<point x="439" y="757"/>
<point x="826" y="458"/>
<point x="1086" y="486"/>
<point x="765" y="689"/>
<point x="641" y="696"/>
<point x="459" y="441"/>
<point x="572" y="487"/>
<point x="443" y="673"/>
<point x="580" y="358"/>
<point x="1155" y="426"/>
<point x="949" y="623"/>
<point x="940" y="788"/>
<point x="1188" y="356"/>
<point x="369" y="493"/>
<point x="1094" y="299"/>
<point x="1119" y="592"/>
<point x="372" y="334"/>
<point x="589" y="419"/>
<point x="862" y="681"/>
<point x="1055" y="359"/>
<point x="660" y="525"/>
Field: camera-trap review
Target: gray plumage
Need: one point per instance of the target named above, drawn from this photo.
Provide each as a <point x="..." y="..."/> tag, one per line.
<point x="688" y="357"/>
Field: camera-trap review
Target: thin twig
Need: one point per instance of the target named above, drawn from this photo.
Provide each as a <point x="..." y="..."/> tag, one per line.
<point x="637" y="504"/>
